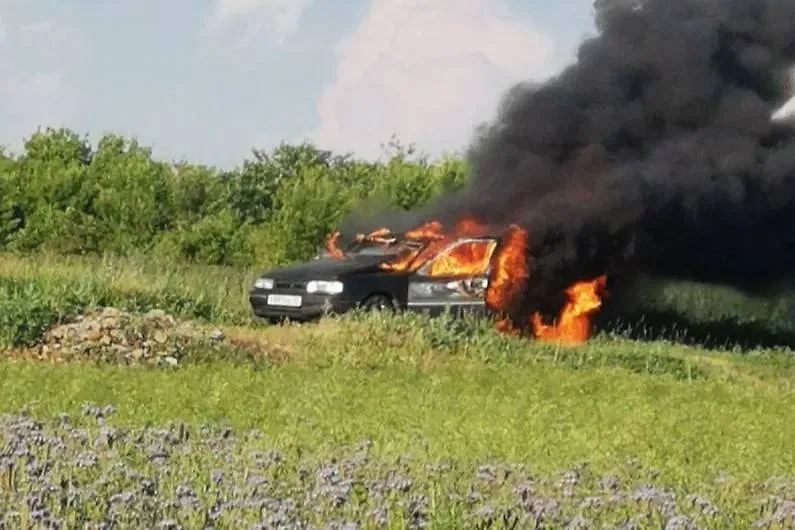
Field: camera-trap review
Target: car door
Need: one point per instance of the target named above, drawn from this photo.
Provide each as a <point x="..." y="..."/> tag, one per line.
<point x="456" y="278"/>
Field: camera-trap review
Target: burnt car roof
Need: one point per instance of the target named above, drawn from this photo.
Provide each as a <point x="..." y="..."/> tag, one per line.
<point x="390" y="246"/>
<point x="389" y="242"/>
<point x="367" y="259"/>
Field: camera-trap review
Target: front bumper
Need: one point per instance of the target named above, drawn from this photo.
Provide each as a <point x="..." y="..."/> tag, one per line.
<point x="312" y="306"/>
<point x="454" y="309"/>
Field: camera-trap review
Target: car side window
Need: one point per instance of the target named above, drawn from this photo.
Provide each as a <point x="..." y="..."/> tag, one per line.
<point x="465" y="258"/>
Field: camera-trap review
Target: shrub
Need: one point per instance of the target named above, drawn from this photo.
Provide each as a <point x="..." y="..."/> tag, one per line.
<point x="62" y="194"/>
<point x="25" y="313"/>
<point x="29" y="306"/>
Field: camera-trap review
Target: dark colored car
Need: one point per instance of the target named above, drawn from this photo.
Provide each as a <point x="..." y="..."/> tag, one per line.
<point x="356" y="280"/>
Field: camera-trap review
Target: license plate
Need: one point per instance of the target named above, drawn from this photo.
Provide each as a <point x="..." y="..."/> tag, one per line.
<point x="285" y="300"/>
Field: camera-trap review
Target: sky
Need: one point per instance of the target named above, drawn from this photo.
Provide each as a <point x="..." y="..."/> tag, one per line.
<point x="209" y="80"/>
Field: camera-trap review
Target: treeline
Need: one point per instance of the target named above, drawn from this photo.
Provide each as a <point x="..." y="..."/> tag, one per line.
<point x="62" y="194"/>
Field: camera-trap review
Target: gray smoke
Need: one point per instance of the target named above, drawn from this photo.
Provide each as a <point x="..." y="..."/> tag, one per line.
<point x="655" y="152"/>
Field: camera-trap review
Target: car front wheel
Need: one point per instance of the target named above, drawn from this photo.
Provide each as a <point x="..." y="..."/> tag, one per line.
<point x="378" y="302"/>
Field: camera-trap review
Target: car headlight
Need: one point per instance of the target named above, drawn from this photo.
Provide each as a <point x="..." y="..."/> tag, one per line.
<point x="324" y="287"/>
<point x="263" y="283"/>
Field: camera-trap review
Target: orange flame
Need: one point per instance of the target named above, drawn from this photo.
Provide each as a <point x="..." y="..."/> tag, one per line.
<point x="469" y="228"/>
<point x="509" y="274"/>
<point x="573" y="326"/>
<point x="469" y="259"/>
<point x="332" y="246"/>
<point x="510" y="270"/>
<point x="382" y="235"/>
<point x="401" y="263"/>
<point x="465" y="260"/>
<point x="430" y="230"/>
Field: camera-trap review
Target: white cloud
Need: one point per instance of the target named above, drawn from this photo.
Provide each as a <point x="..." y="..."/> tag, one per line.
<point x="249" y="21"/>
<point x="428" y="71"/>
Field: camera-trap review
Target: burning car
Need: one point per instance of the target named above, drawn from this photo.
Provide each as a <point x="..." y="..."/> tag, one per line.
<point x="394" y="273"/>
<point x="427" y="269"/>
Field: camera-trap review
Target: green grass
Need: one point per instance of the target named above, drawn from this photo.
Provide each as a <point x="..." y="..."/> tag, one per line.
<point x="433" y="389"/>
<point x="466" y="393"/>
<point x="550" y="416"/>
<point x="684" y="311"/>
<point x="216" y="293"/>
<point x="39" y="291"/>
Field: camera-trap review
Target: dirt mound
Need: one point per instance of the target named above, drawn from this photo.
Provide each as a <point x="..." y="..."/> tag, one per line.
<point x="111" y="335"/>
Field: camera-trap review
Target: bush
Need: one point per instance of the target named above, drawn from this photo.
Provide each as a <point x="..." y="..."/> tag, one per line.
<point x="61" y="194"/>
<point x="25" y="313"/>
<point x="29" y="306"/>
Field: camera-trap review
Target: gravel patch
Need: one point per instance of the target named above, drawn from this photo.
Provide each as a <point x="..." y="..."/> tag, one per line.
<point x="107" y="334"/>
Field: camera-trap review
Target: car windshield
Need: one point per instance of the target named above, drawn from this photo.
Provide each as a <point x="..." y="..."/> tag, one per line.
<point x="388" y="250"/>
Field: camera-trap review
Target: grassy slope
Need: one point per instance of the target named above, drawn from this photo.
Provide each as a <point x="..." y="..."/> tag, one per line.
<point x="551" y="416"/>
<point x="684" y="434"/>
<point x="434" y="391"/>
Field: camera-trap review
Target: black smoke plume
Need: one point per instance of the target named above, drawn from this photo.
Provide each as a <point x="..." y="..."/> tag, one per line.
<point x="654" y="152"/>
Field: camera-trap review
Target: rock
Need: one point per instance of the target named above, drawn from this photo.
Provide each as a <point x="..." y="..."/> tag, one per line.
<point x="110" y="334"/>
<point x="159" y="319"/>
<point x="91" y="335"/>
<point x="110" y="312"/>
<point x="109" y="323"/>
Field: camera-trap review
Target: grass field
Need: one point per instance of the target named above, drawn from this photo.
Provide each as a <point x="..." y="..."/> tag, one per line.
<point x="371" y="422"/>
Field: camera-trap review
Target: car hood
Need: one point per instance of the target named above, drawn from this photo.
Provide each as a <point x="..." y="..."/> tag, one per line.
<point x="325" y="269"/>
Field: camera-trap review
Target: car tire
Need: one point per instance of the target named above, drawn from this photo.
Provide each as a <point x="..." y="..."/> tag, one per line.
<point x="378" y="302"/>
